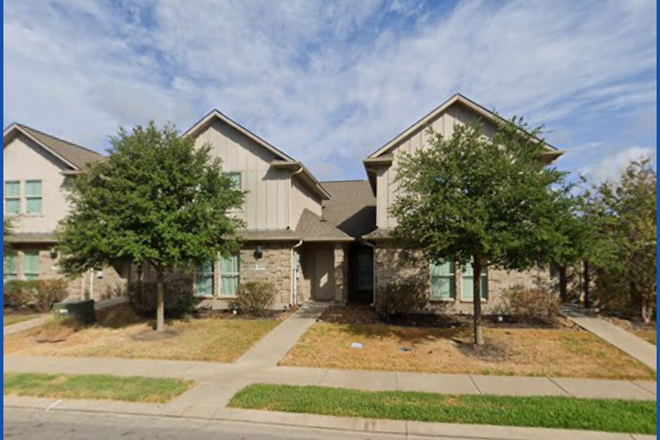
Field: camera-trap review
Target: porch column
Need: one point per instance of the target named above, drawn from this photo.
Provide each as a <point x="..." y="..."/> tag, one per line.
<point x="341" y="274"/>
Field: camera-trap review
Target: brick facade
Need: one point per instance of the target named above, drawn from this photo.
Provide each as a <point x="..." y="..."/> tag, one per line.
<point x="405" y="265"/>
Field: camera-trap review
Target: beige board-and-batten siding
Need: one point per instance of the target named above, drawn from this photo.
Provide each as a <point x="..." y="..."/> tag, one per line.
<point x="395" y="264"/>
<point x="387" y="187"/>
<point x="268" y="195"/>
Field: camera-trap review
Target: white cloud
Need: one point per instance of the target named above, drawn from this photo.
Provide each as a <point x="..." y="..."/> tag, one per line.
<point x="324" y="81"/>
<point x="611" y="168"/>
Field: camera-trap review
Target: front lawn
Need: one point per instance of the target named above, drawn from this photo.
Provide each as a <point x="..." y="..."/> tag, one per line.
<point x="95" y="386"/>
<point x="560" y="352"/>
<point x="648" y="335"/>
<point x="543" y="412"/>
<point x="214" y="340"/>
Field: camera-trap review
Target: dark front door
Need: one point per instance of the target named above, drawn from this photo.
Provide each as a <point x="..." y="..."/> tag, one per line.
<point x="364" y="276"/>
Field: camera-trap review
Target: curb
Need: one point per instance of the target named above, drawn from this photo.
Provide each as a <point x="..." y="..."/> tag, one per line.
<point x="310" y="421"/>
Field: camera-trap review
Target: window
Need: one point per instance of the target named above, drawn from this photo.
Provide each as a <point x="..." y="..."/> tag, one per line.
<point x="13" y="197"/>
<point x="443" y="281"/>
<point x="204" y="280"/>
<point x="229" y="275"/>
<point x="10" y="271"/>
<point x="31" y="265"/>
<point x="236" y="180"/>
<point x="467" y="283"/>
<point x="33" y="196"/>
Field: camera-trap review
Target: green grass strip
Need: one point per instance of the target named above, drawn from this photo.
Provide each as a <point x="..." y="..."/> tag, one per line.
<point x="95" y="386"/>
<point x="544" y="412"/>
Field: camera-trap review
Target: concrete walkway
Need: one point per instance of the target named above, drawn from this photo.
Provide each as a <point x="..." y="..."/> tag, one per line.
<point x="276" y="344"/>
<point x="26" y="325"/>
<point x="623" y="340"/>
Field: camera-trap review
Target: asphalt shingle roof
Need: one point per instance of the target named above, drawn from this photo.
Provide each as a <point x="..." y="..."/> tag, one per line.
<point x="352" y="208"/>
<point x="77" y="155"/>
<point x="312" y="227"/>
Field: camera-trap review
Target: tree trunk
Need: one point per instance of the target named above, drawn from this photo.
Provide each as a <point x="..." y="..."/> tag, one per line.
<point x="476" y="299"/>
<point x="160" y="314"/>
<point x="646" y="312"/>
<point x="587" y="290"/>
<point x="563" y="284"/>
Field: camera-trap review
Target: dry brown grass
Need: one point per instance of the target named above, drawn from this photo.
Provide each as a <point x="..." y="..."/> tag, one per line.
<point x="214" y="340"/>
<point x="511" y="351"/>
<point x="15" y="318"/>
<point x="647" y="335"/>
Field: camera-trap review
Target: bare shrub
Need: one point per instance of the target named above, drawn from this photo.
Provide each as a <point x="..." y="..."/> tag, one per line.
<point x="39" y="295"/>
<point x="254" y="298"/>
<point x="400" y="300"/>
<point x="48" y="292"/>
<point x="529" y="306"/>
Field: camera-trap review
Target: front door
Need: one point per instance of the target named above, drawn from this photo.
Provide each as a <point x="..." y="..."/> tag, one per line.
<point x="323" y="278"/>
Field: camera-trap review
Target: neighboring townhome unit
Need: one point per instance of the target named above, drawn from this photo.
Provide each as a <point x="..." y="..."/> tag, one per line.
<point x="37" y="170"/>
<point x="449" y="286"/>
<point x="287" y="242"/>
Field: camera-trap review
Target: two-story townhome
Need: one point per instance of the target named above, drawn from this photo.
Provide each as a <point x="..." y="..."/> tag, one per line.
<point x="37" y="168"/>
<point x="449" y="286"/>
<point x="326" y="241"/>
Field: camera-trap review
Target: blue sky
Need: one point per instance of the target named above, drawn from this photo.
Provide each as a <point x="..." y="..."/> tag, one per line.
<point x="330" y="82"/>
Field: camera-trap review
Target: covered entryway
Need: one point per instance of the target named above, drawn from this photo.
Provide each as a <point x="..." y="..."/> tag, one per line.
<point x="323" y="272"/>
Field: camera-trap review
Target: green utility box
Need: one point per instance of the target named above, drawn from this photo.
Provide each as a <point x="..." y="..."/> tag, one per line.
<point x="81" y="312"/>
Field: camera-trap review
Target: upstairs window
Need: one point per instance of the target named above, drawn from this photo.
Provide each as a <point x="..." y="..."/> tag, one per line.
<point x="443" y="281"/>
<point x="236" y="180"/>
<point x="33" y="196"/>
<point x="12" y="197"/>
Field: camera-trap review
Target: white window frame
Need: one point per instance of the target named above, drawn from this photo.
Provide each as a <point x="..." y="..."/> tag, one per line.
<point x="483" y="279"/>
<point x="236" y="275"/>
<point x="452" y="283"/>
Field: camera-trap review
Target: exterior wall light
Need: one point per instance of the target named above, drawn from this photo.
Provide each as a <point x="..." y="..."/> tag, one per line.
<point x="258" y="253"/>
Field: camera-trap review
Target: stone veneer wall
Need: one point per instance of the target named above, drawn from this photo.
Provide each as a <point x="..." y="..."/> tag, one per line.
<point x="274" y="267"/>
<point x="401" y="265"/>
<point x="112" y="284"/>
<point x="341" y="274"/>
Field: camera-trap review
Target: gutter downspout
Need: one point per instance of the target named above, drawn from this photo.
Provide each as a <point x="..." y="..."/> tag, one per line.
<point x="294" y="284"/>
<point x="373" y="247"/>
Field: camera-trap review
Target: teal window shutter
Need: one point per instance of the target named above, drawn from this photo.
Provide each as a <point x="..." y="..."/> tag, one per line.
<point x="33" y="196"/>
<point x="31" y="265"/>
<point x="10" y="268"/>
<point x="204" y="276"/>
<point x="13" y="197"/>
<point x="467" y="283"/>
<point x="229" y="275"/>
<point x="443" y="281"/>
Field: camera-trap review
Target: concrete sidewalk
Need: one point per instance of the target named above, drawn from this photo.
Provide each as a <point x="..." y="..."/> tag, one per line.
<point x="219" y="382"/>
<point x="623" y="340"/>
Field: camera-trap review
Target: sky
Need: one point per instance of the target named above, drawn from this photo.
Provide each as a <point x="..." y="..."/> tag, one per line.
<point x="329" y="82"/>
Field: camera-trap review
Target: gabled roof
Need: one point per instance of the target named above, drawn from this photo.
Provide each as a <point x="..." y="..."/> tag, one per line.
<point x="352" y="208"/>
<point x="457" y="98"/>
<point x="75" y="156"/>
<point x="284" y="159"/>
<point x="312" y="227"/>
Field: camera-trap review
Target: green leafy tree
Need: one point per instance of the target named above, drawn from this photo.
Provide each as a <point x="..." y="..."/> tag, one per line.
<point x="486" y="201"/>
<point x="156" y="199"/>
<point x="621" y="217"/>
